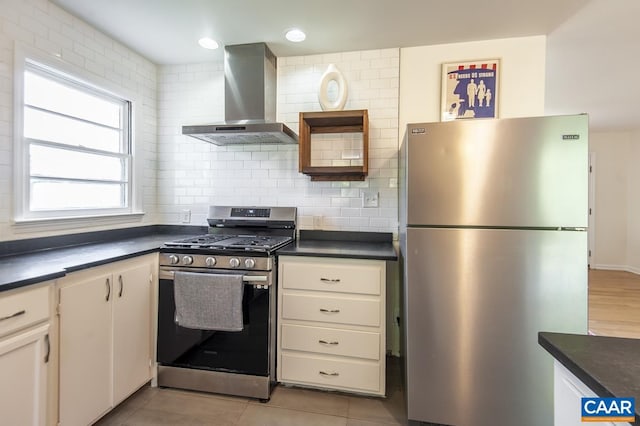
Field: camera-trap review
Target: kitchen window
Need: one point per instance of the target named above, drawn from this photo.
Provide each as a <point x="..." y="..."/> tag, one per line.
<point x="75" y="147"/>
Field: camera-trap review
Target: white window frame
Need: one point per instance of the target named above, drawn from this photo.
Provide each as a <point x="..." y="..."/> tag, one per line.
<point x="23" y="216"/>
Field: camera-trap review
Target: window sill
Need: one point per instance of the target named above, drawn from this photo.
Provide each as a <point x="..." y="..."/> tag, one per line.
<point x="65" y="223"/>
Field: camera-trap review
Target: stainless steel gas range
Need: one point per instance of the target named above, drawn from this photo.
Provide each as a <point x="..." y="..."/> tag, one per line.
<point x="241" y="241"/>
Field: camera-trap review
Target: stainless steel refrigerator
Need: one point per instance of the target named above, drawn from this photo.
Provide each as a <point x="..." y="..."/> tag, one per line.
<point x="493" y="220"/>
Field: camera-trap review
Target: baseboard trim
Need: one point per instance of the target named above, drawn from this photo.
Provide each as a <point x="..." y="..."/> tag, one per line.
<point x="626" y="268"/>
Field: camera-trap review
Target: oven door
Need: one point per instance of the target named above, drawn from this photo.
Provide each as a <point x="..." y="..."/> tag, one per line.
<point x="245" y="352"/>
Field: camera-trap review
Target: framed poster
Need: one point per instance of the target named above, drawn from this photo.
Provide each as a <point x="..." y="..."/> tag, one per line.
<point x="470" y="89"/>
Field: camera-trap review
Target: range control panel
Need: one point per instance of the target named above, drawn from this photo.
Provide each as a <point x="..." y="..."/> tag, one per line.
<point x="249" y="212"/>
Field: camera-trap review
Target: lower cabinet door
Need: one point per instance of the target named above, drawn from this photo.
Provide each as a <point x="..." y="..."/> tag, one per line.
<point x="23" y="371"/>
<point x="85" y="351"/>
<point x="331" y="372"/>
<point x="131" y="330"/>
<point x="568" y="392"/>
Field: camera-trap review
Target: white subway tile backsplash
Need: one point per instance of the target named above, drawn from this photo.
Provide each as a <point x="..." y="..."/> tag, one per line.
<point x="95" y="67"/>
<point x="187" y="173"/>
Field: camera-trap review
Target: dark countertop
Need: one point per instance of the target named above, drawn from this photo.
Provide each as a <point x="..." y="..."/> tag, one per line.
<point x="24" y="268"/>
<point x="356" y="245"/>
<point x="609" y="366"/>
<point x="25" y="262"/>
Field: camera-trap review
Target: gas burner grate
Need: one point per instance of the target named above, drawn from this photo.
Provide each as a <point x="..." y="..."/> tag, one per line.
<point x="198" y="241"/>
<point x="264" y="243"/>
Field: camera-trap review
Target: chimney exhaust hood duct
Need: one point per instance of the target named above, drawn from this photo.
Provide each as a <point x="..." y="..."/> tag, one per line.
<point x="249" y="101"/>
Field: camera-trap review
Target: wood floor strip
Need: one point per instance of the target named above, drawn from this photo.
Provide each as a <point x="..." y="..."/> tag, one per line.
<point x="614" y="303"/>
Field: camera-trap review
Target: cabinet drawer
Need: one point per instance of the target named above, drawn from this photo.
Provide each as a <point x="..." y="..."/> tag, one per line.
<point x="331" y="341"/>
<point x="331" y="373"/>
<point x="342" y="277"/>
<point x="23" y="308"/>
<point x="339" y="310"/>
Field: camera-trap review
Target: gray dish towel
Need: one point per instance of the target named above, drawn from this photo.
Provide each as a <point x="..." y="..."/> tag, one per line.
<point x="209" y="301"/>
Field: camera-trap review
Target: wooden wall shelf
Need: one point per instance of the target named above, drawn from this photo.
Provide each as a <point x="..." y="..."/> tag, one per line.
<point x="355" y="121"/>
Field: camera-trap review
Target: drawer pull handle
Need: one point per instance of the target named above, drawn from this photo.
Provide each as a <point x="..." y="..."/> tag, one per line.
<point x="330" y="280"/>
<point x="121" y="285"/>
<point x="324" y="342"/>
<point x="324" y="373"/>
<point x="48" y="343"/>
<point x="330" y="311"/>
<point x="108" y="283"/>
<point x="17" y="314"/>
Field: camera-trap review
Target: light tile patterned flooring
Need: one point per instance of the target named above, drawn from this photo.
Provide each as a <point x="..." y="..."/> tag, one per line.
<point x="288" y="406"/>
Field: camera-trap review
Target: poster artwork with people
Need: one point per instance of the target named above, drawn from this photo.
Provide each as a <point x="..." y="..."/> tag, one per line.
<point x="470" y="90"/>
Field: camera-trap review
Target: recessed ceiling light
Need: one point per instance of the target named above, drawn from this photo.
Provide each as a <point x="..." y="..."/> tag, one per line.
<point x="208" y="43"/>
<point x="295" y="35"/>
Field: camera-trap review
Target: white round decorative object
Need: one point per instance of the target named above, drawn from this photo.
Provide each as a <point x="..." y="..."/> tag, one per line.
<point x="332" y="74"/>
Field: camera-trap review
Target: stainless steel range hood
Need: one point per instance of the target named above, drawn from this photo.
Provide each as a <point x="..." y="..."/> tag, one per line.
<point x="250" y="101"/>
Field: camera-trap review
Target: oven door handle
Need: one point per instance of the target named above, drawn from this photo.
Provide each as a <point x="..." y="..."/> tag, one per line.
<point x="169" y="275"/>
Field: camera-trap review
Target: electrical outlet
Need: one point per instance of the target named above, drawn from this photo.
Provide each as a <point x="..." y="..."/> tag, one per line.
<point x="317" y="222"/>
<point x="185" y="216"/>
<point x="370" y="199"/>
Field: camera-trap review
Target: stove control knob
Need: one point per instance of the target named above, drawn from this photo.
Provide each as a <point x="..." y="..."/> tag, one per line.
<point x="173" y="259"/>
<point x="210" y="261"/>
<point x="249" y="263"/>
<point x="187" y="260"/>
<point x="234" y="262"/>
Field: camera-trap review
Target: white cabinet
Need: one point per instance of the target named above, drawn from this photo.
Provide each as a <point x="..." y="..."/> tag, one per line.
<point x="568" y="391"/>
<point x="24" y="355"/>
<point x="105" y="337"/>
<point x="331" y="323"/>
<point x="132" y="330"/>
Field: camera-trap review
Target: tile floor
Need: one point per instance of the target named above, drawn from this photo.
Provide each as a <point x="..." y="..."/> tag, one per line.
<point x="288" y="406"/>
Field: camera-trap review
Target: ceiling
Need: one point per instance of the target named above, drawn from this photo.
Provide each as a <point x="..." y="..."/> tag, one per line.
<point x="581" y="34"/>
<point x="166" y="31"/>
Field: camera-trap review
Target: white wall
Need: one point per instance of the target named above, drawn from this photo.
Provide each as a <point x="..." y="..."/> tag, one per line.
<point x="633" y="204"/>
<point x="617" y="200"/>
<point x="44" y="27"/>
<point x="521" y="80"/>
<point x="194" y="174"/>
<point x="610" y="199"/>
